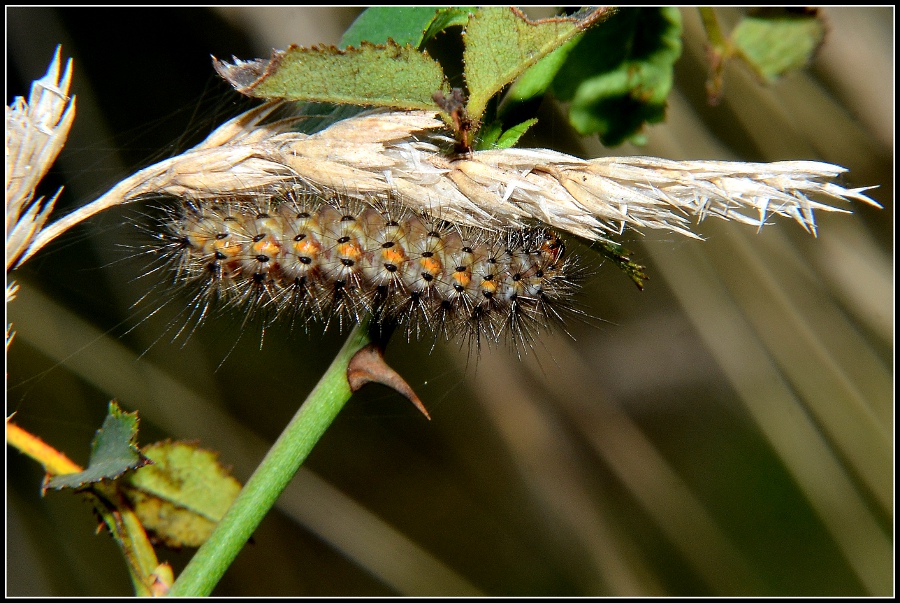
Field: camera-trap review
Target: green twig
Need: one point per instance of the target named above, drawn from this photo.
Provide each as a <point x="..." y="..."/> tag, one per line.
<point x="718" y="50"/>
<point x="713" y="29"/>
<point x="273" y="475"/>
<point x="622" y="257"/>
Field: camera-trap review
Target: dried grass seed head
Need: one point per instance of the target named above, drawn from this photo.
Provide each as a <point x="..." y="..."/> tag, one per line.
<point x="36" y="131"/>
<point x="405" y="155"/>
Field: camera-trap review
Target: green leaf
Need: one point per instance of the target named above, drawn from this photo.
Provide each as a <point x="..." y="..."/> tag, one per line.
<point x="501" y="43"/>
<point x="618" y="76"/>
<point x="403" y="24"/>
<point x="413" y="25"/>
<point x="489" y="135"/>
<point x="511" y="137"/>
<point x="183" y="495"/>
<point x="492" y="135"/>
<point x="113" y="451"/>
<point x="372" y="75"/>
<point x="449" y="17"/>
<point x="775" y="41"/>
<point x="536" y="80"/>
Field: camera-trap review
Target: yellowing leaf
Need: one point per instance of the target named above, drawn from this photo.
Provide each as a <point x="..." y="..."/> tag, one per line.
<point x="183" y="495"/>
<point x="775" y="41"/>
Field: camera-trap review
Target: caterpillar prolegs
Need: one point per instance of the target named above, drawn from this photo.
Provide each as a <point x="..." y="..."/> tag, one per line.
<point x="306" y="258"/>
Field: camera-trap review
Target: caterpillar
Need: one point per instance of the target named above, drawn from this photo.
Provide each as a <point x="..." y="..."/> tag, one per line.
<point x="304" y="257"/>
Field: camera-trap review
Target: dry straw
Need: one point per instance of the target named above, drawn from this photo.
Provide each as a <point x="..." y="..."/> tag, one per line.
<point x="36" y="131"/>
<point x="404" y="155"/>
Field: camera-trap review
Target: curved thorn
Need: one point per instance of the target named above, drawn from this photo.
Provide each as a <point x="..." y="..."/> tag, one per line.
<point x="368" y="366"/>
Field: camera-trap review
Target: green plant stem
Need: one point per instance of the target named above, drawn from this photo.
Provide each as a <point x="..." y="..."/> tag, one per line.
<point x="272" y="476"/>
<point x="129" y="533"/>
<point x="714" y="32"/>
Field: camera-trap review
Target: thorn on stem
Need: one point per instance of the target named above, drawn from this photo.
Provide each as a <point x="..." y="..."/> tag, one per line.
<point x="368" y="366"/>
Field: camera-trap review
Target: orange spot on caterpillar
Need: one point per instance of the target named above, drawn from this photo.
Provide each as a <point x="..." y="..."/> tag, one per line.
<point x="394" y="255"/>
<point x="267" y="247"/>
<point x="307" y="247"/>
<point x="350" y="251"/>
<point x="463" y="278"/>
<point x="228" y="248"/>
<point x="432" y="266"/>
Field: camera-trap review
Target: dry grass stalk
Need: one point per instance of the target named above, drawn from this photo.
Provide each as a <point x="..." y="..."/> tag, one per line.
<point x="403" y="155"/>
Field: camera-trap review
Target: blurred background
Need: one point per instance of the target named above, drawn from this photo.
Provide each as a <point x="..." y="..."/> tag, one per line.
<point x="727" y="431"/>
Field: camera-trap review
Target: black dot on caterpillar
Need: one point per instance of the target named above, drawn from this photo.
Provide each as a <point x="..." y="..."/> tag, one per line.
<point x="302" y="258"/>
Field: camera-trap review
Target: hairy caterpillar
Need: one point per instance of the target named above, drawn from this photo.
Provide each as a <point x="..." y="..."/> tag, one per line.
<point x="308" y="258"/>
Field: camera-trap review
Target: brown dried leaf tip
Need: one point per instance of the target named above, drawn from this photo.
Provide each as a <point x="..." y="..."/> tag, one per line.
<point x="463" y="127"/>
